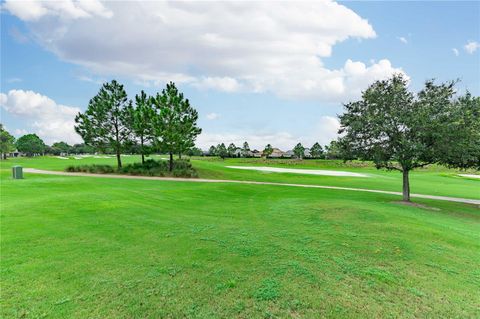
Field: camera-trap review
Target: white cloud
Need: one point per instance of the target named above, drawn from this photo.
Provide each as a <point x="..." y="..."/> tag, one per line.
<point x="226" y="84"/>
<point x="228" y="46"/>
<point x="324" y="132"/>
<point x="51" y="121"/>
<point x="403" y="40"/>
<point x="212" y="116"/>
<point x="65" y="9"/>
<point x="455" y="51"/>
<point x="471" y="47"/>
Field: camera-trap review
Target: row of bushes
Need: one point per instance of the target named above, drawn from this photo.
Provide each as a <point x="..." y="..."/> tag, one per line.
<point x="98" y="169"/>
<point x="181" y="168"/>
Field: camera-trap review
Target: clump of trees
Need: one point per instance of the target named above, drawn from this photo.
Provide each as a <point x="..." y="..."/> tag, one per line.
<point x="221" y="151"/>
<point x="316" y="151"/>
<point x="268" y="150"/>
<point x="30" y="144"/>
<point x="299" y="151"/>
<point x="7" y="142"/>
<point x="400" y="130"/>
<point x="246" y="149"/>
<point x="164" y="122"/>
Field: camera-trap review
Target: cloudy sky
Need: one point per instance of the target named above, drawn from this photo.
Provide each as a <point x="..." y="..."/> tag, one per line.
<point x="265" y="72"/>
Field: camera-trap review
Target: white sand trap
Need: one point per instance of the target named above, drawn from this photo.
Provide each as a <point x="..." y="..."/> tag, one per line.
<point x="61" y="157"/>
<point x="77" y="157"/>
<point x="469" y="175"/>
<point x="102" y="157"/>
<point x="299" y="171"/>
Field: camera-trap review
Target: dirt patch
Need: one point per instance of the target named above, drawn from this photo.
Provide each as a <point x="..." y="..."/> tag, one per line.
<point x="411" y="204"/>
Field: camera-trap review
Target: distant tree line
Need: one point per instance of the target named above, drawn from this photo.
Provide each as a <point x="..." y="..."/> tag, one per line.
<point x="330" y="151"/>
<point x="31" y="144"/>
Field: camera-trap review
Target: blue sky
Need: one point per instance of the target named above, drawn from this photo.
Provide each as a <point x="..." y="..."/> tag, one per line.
<point x="262" y="72"/>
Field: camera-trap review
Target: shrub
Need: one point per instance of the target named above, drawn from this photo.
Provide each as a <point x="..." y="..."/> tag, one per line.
<point x="99" y="169"/>
<point x="181" y="168"/>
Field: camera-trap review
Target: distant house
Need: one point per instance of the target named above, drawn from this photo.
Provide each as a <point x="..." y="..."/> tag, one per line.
<point x="238" y="152"/>
<point x="15" y="153"/>
<point x="247" y="154"/>
<point x="289" y="154"/>
<point x="256" y="153"/>
<point x="277" y="153"/>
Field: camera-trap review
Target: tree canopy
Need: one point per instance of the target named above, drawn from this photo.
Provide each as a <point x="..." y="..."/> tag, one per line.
<point x="400" y="130"/>
<point x="212" y="151"/>
<point x="268" y="150"/>
<point x="316" y="150"/>
<point x="221" y="151"/>
<point x="7" y="142"/>
<point x="246" y="149"/>
<point x="299" y="151"/>
<point x="30" y="144"/>
<point x="142" y="123"/>
<point x="60" y="147"/>
<point x="231" y="150"/>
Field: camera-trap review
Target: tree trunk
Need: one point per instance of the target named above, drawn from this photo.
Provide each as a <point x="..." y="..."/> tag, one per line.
<point x="171" y="162"/>
<point x="180" y="155"/>
<point x="141" y="149"/>
<point x="406" y="186"/>
<point x="119" y="160"/>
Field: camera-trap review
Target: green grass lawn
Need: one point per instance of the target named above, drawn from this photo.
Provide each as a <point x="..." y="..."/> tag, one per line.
<point x="83" y="247"/>
<point x="434" y="180"/>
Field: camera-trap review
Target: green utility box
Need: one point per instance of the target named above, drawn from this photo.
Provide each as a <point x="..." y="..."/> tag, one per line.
<point x="17" y="172"/>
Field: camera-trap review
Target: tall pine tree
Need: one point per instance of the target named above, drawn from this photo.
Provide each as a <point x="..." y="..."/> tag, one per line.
<point x="175" y="122"/>
<point x="142" y="123"/>
<point x="106" y="124"/>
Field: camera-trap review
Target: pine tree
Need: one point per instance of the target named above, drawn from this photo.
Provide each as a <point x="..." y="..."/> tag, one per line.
<point x="175" y="123"/>
<point x="106" y="124"/>
<point x="142" y="122"/>
<point x="299" y="150"/>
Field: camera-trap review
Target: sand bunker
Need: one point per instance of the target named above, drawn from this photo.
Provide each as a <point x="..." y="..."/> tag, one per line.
<point x="469" y="175"/>
<point x="61" y="157"/>
<point x="299" y="171"/>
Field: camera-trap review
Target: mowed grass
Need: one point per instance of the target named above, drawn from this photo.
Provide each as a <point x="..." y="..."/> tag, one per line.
<point x="434" y="180"/>
<point x="83" y="247"/>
